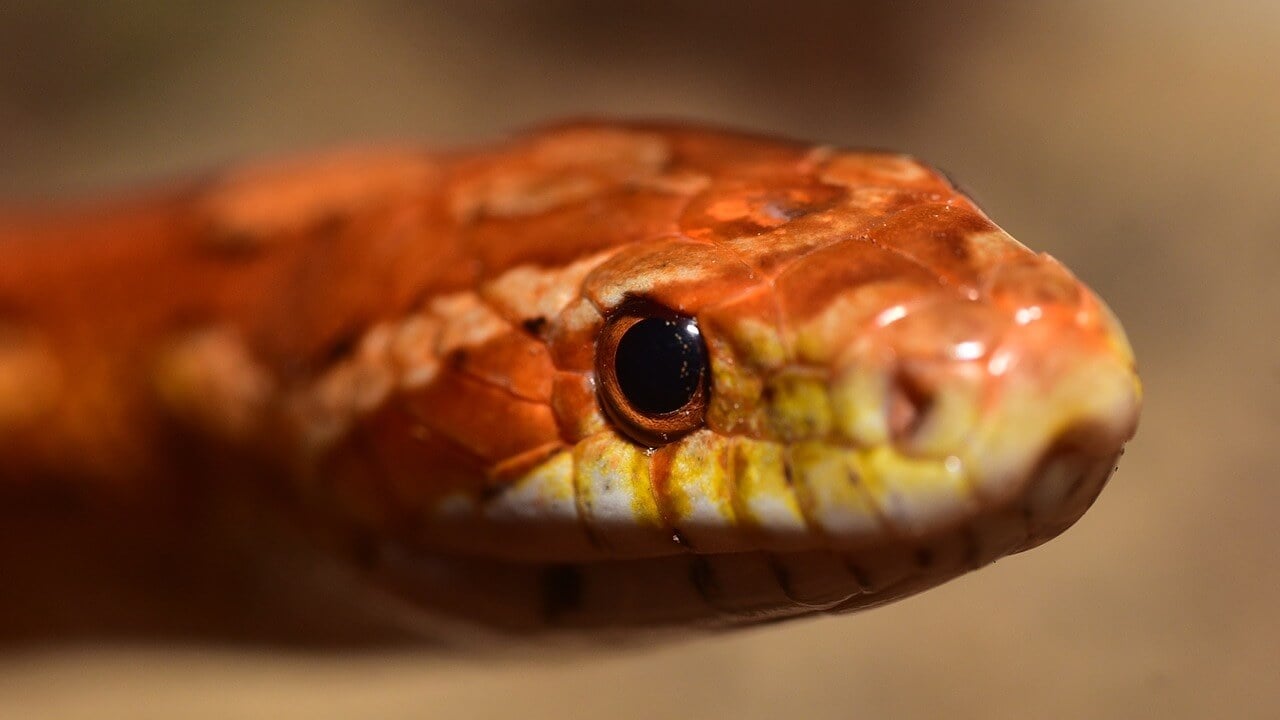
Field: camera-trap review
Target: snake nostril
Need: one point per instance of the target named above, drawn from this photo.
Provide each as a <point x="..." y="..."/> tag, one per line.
<point x="910" y="400"/>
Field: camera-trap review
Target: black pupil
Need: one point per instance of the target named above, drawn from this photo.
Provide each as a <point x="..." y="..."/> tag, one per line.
<point x="659" y="364"/>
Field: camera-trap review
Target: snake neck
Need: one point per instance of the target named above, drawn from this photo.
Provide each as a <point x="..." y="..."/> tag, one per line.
<point x="144" y="352"/>
<point x="93" y="302"/>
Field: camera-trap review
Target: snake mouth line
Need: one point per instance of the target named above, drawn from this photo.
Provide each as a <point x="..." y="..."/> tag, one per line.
<point x="725" y="589"/>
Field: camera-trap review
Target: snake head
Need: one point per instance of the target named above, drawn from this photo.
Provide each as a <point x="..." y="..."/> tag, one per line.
<point x="884" y="389"/>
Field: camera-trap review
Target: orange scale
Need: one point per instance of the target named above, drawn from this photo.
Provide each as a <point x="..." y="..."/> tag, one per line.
<point x="467" y="411"/>
<point x="560" y="235"/>
<point x="852" y="316"/>
<point x="540" y="170"/>
<point x="577" y="411"/>
<point x="734" y="209"/>
<point x="572" y="337"/>
<point x="936" y="236"/>
<point x="512" y="360"/>
<point x="734" y="329"/>
<point x="863" y="169"/>
<point x="875" y="203"/>
<point x="1032" y="288"/>
<point x="682" y="275"/>
<point x="772" y="252"/>
<point x="809" y="286"/>
<point x="947" y="330"/>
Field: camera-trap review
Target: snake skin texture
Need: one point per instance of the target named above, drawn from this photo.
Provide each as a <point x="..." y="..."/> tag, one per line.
<point x="394" y="354"/>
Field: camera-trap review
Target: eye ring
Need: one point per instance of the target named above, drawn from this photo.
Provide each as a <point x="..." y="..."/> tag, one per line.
<point x="653" y="370"/>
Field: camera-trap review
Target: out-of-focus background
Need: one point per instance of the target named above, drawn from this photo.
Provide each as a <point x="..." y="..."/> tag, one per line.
<point x="1139" y="142"/>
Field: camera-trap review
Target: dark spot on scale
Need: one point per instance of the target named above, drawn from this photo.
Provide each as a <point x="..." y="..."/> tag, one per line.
<point x="853" y="477"/>
<point x="859" y="575"/>
<point x="561" y="591"/>
<point x="231" y="245"/>
<point x="782" y="575"/>
<point x="788" y="473"/>
<point x="330" y="224"/>
<point x="341" y="347"/>
<point x="783" y="210"/>
<point x="703" y="578"/>
<point x="534" y="325"/>
<point x="492" y="491"/>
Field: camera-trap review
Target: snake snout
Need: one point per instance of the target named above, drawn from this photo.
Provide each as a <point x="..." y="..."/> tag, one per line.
<point x="957" y="409"/>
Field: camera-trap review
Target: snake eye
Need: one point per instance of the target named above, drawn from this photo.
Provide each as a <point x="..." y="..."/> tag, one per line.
<point x="652" y="367"/>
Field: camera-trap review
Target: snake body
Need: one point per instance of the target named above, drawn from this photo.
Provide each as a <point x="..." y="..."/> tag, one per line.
<point x="400" y="353"/>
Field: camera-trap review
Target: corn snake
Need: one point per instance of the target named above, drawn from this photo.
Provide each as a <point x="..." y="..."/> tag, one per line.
<point x="414" y="358"/>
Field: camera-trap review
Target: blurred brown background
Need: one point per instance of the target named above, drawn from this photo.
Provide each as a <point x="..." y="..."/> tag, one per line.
<point x="1137" y="141"/>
